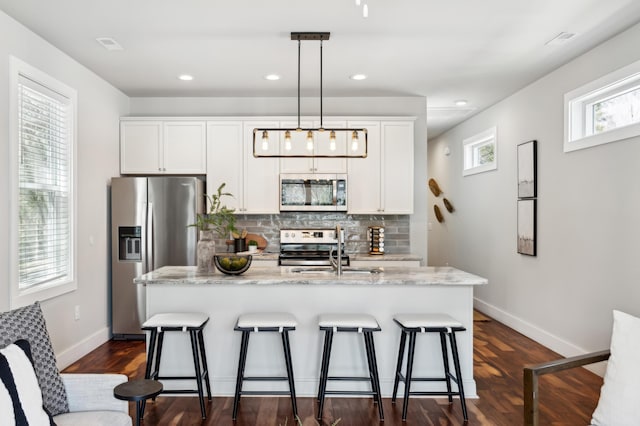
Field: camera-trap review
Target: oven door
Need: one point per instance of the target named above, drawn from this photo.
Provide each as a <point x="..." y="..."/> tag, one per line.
<point x="319" y="192"/>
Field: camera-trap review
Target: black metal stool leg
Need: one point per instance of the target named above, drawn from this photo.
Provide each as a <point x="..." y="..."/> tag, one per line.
<point x="403" y="340"/>
<point x="322" y="368"/>
<point x="375" y="374"/>
<point x="456" y="365"/>
<point x="149" y="366"/>
<point x="244" y="344"/>
<point x="196" y="365"/>
<point x="325" y="374"/>
<point x="366" y="337"/>
<point x="156" y="368"/>
<point x="289" y="364"/>
<point x="205" y="367"/>
<point x="152" y="347"/>
<point x="407" y="380"/>
<point x="445" y="362"/>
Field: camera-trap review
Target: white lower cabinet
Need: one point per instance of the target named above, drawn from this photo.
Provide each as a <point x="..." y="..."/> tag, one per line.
<point x="162" y="147"/>
<point x="382" y="183"/>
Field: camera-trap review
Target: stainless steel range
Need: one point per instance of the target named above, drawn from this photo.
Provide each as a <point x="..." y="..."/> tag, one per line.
<point x="309" y="247"/>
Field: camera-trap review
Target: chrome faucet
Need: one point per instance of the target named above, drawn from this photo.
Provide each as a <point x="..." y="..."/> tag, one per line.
<point x="337" y="264"/>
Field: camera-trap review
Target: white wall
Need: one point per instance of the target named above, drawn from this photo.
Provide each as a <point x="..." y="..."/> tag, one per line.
<point x="407" y="106"/>
<point x="99" y="107"/>
<point x="588" y="260"/>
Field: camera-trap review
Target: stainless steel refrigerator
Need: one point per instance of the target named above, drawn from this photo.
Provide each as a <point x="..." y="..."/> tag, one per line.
<point x="149" y="229"/>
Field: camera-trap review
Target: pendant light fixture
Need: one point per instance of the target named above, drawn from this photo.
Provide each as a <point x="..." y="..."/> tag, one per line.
<point x="270" y="136"/>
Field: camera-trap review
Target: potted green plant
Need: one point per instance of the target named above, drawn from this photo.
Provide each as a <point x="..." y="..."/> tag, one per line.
<point x="220" y="220"/>
<point x="253" y="246"/>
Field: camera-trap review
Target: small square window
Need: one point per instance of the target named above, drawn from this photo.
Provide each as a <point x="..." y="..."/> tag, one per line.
<point x="605" y="110"/>
<point x="480" y="152"/>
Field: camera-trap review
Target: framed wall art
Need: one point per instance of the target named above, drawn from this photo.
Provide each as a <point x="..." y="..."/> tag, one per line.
<point x="527" y="165"/>
<point x="527" y="227"/>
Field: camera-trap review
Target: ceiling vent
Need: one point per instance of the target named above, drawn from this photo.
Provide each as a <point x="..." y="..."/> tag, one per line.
<point x="560" y="39"/>
<point x="109" y="43"/>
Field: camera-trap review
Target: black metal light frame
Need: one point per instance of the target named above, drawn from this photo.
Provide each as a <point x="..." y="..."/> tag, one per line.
<point x="299" y="37"/>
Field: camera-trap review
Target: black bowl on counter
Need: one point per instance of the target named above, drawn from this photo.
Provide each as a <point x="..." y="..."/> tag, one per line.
<point x="232" y="264"/>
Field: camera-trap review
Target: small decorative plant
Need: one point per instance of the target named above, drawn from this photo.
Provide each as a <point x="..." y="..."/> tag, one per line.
<point x="253" y="243"/>
<point x="220" y="218"/>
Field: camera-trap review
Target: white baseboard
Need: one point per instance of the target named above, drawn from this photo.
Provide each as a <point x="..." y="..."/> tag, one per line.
<point x="80" y="349"/>
<point x="534" y="332"/>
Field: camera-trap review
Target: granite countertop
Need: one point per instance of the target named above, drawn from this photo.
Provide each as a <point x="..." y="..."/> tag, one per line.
<point x="257" y="275"/>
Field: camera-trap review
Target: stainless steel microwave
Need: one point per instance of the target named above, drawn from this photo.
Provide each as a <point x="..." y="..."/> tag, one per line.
<point x="313" y="192"/>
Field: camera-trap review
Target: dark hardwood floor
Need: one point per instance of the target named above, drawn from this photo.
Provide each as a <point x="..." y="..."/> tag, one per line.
<point x="567" y="398"/>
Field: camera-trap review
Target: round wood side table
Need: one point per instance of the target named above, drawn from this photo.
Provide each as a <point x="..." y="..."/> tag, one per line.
<point x="138" y="391"/>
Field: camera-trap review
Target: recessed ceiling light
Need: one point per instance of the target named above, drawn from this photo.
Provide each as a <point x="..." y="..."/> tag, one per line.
<point x="272" y="77"/>
<point x="461" y="103"/>
<point x="358" y="77"/>
<point x="109" y="43"/>
<point x="185" y="77"/>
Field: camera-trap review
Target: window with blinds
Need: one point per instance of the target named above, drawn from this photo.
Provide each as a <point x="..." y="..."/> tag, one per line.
<point x="45" y="185"/>
<point x="42" y="162"/>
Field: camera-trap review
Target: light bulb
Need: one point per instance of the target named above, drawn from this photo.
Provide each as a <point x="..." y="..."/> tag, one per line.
<point x="287" y="140"/>
<point x="265" y="140"/>
<point x="310" y="140"/>
<point x="365" y="11"/>
<point x="354" y="141"/>
<point x="332" y="141"/>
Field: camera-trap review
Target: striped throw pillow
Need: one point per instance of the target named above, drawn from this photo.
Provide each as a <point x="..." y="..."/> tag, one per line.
<point x="20" y="395"/>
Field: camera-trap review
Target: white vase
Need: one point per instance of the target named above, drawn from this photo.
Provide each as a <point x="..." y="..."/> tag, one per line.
<point x="205" y="250"/>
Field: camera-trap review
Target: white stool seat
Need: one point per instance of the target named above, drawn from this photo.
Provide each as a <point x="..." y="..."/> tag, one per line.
<point x="426" y="320"/>
<point x="176" y="319"/>
<point x="347" y="321"/>
<point x="267" y="320"/>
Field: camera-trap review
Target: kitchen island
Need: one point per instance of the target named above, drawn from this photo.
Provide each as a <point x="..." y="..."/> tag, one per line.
<point x="306" y="293"/>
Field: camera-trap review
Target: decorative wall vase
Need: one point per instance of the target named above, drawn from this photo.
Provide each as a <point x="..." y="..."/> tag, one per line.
<point x="205" y="251"/>
<point x="438" y="213"/>
<point x="434" y="187"/>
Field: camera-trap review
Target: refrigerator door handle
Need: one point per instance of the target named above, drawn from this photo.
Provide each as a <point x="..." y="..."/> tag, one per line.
<point x="150" y="264"/>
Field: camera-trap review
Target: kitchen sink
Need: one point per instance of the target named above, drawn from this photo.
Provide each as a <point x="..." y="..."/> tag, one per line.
<point x="331" y="271"/>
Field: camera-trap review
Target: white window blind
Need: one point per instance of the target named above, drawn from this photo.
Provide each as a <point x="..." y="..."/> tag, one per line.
<point x="44" y="185"/>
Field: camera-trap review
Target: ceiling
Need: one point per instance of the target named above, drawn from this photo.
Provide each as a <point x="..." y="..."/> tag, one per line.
<point x="480" y="51"/>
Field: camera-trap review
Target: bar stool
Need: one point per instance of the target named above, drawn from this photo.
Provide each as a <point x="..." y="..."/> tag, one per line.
<point x="259" y="322"/>
<point x="192" y="322"/>
<point x="443" y="324"/>
<point x="360" y="323"/>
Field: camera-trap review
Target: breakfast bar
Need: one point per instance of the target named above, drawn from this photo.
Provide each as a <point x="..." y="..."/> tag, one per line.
<point x="306" y="293"/>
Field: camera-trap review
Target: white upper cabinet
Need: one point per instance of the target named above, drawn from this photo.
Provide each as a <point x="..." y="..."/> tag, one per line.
<point x="162" y="147"/>
<point x="225" y="151"/>
<point x="363" y="185"/>
<point x="321" y="146"/>
<point x="397" y="171"/>
<point x="382" y="183"/>
<point x="261" y="181"/>
<point x="252" y="181"/>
